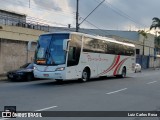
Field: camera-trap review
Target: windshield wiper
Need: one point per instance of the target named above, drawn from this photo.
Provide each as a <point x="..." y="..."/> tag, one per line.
<point x="49" y="55"/>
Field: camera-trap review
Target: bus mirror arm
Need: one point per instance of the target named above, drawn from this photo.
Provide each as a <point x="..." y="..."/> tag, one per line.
<point x="66" y="44"/>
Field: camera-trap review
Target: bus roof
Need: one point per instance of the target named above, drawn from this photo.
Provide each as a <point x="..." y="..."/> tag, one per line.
<point x="94" y="36"/>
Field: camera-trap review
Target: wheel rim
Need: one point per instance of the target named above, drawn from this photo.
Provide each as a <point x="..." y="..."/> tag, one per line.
<point x="124" y="72"/>
<point x="84" y="76"/>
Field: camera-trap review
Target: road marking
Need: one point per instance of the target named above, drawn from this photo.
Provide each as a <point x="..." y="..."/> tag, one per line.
<point x="151" y="82"/>
<point x="46" y="108"/>
<point x="43" y="109"/>
<point x="116" y="91"/>
<point x="5" y="118"/>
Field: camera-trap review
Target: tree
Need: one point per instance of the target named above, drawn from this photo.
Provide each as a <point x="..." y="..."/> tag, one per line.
<point x="144" y="34"/>
<point x="157" y="42"/>
<point x="155" y="23"/>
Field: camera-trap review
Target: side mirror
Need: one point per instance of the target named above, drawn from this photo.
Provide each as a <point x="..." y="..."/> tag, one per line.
<point x="66" y="44"/>
<point x="30" y="46"/>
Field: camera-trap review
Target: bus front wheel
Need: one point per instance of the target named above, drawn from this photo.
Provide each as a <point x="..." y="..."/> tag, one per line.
<point x="85" y="75"/>
<point x="59" y="81"/>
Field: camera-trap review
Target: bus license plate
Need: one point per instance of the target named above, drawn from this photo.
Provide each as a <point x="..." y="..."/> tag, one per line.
<point x="46" y="75"/>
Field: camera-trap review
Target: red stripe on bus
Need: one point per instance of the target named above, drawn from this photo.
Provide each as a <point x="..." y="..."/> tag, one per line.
<point x="118" y="66"/>
<point x="115" y="62"/>
<point x="115" y="58"/>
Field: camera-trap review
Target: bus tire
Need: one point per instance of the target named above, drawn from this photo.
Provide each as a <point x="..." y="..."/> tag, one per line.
<point x="85" y="75"/>
<point x="124" y="71"/>
<point x="59" y="81"/>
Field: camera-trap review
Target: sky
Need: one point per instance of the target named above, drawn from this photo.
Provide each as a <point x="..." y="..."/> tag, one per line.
<point x="110" y="15"/>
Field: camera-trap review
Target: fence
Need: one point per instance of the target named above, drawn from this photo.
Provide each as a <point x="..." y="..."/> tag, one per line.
<point x="21" y="23"/>
<point x="143" y="61"/>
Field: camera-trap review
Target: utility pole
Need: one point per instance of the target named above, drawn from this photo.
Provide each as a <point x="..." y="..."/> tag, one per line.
<point x="91" y="12"/>
<point x="29" y="3"/>
<point x="77" y="17"/>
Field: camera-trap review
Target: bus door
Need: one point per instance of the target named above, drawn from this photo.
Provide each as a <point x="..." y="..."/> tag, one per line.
<point x="71" y="63"/>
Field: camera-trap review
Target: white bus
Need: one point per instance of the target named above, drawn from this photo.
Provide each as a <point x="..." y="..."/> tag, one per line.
<point x="63" y="56"/>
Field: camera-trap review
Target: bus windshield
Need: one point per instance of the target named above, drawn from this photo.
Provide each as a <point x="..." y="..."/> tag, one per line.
<point x="50" y="49"/>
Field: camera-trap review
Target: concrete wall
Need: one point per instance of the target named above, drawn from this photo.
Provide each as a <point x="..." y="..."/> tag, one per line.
<point x="19" y="33"/>
<point x="13" y="47"/>
<point x="151" y="63"/>
<point x="148" y="43"/>
<point x="149" y="50"/>
<point x="13" y="54"/>
<point x="156" y="63"/>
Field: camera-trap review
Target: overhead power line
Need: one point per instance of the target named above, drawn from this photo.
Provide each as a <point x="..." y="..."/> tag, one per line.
<point x="49" y="10"/>
<point x="123" y="14"/>
<point x="78" y="24"/>
<point x="92" y="12"/>
<point x="101" y="30"/>
<point x="35" y="20"/>
<point x="42" y="9"/>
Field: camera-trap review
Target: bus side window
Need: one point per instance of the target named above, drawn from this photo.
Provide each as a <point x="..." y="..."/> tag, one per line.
<point x="71" y="56"/>
<point x="72" y="53"/>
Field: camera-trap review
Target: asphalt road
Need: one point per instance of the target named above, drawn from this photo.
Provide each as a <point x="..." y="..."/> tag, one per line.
<point x="137" y="92"/>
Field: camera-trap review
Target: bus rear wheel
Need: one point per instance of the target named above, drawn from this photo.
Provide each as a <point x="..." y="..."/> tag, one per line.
<point x="85" y="75"/>
<point x="123" y="75"/>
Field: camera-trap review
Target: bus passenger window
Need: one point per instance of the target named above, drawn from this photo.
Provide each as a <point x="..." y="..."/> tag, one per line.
<point x="72" y="53"/>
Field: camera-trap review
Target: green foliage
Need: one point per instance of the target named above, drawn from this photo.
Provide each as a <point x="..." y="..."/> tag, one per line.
<point x="143" y="33"/>
<point x="155" y="23"/>
<point x="157" y="42"/>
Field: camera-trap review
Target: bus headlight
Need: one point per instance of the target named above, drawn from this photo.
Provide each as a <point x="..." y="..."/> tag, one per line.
<point x="34" y="68"/>
<point x="60" y="69"/>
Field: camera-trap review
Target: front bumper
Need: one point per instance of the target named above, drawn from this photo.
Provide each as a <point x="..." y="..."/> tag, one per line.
<point x="14" y="76"/>
<point x="49" y="75"/>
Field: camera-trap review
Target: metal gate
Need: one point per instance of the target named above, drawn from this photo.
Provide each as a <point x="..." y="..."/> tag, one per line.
<point x="143" y="61"/>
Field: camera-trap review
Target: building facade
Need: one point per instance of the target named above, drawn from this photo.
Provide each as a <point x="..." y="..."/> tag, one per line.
<point x="11" y="18"/>
<point x="14" y="41"/>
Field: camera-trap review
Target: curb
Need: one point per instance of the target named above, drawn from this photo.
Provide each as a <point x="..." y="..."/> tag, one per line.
<point x="3" y="77"/>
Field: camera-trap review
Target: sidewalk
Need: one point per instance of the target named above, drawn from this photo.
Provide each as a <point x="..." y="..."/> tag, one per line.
<point x="3" y="77"/>
<point x="151" y="69"/>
